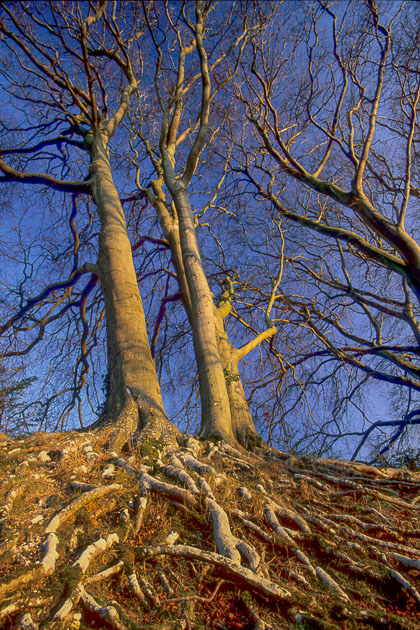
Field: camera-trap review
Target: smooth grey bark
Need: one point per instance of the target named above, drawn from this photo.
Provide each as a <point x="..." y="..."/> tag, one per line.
<point x="216" y="420"/>
<point x="98" y="53"/>
<point x="135" y="401"/>
<point x="216" y="417"/>
<point x="215" y="408"/>
<point x="242" y="425"/>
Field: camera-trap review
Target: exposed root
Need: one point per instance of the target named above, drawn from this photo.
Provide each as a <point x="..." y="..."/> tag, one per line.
<point x="253" y="526"/>
<point x="330" y="583"/>
<point x="140" y="513"/>
<point x="149" y="592"/>
<point x="80" y="567"/>
<point x="135" y="588"/>
<point x="273" y="521"/>
<point x="148" y="483"/>
<point x="250" y="609"/>
<point x="191" y="462"/>
<point x="237" y="536"/>
<point x="260" y="584"/>
<point x="166" y="584"/>
<point x="227" y="544"/>
<point x="75" y="505"/>
<point x="105" y="613"/>
<point x="407" y="562"/>
<point x="181" y="476"/>
<point x="99" y="546"/>
<point x="22" y="603"/>
<point x="405" y="584"/>
<point x="106" y="573"/>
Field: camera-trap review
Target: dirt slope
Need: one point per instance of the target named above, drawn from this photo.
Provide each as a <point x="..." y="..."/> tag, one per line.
<point x="204" y="537"/>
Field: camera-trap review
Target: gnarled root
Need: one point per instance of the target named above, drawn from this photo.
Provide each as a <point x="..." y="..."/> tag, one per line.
<point x="164" y="526"/>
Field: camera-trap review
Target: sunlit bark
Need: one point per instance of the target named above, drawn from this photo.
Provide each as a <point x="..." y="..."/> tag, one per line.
<point x="225" y="410"/>
<point x="134" y="403"/>
<point x="135" y="400"/>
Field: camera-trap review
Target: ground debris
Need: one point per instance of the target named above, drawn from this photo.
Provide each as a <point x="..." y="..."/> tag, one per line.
<point x="205" y="535"/>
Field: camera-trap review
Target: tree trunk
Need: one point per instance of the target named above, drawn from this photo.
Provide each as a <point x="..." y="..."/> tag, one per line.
<point x="241" y="420"/>
<point x="242" y="423"/>
<point x="135" y="401"/>
<point x="215" y="409"/>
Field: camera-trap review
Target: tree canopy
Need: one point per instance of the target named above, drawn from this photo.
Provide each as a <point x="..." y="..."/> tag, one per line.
<point x="216" y="201"/>
<point x="209" y="303"/>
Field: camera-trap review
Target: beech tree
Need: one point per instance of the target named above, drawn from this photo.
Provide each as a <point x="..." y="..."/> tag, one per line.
<point x="173" y="531"/>
<point x="332" y="149"/>
<point x="184" y="96"/>
<point x="74" y="69"/>
<point x="207" y="98"/>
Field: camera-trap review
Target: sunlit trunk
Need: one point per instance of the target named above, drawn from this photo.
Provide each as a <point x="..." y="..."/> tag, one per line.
<point x="242" y="425"/>
<point x="215" y="408"/>
<point x="242" y="422"/>
<point x="135" y="400"/>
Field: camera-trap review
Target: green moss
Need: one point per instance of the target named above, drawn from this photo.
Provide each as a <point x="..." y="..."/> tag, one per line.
<point x="82" y="518"/>
<point x="253" y="441"/>
<point x="17" y="572"/>
<point x="126" y="554"/>
<point x="72" y="577"/>
<point x="151" y="448"/>
<point x="214" y="437"/>
<point x="247" y="598"/>
<point x="88" y="141"/>
<point x="230" y="376"/>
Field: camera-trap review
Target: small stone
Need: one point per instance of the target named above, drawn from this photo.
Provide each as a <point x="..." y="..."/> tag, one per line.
<point x="125" y="516"/>
<point x="193" y="446"/>
<point x="26" y="623"/>
<point x="109" y="471"/>
<point x="44" y="457"/>
<point x="86" y="448"/>
<point x="261" y="488"/>
<point x="172" y="538"/>
<point x="82" y="469"/>
<point x="245" y="493"/>
<point x="37" y="519"/>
